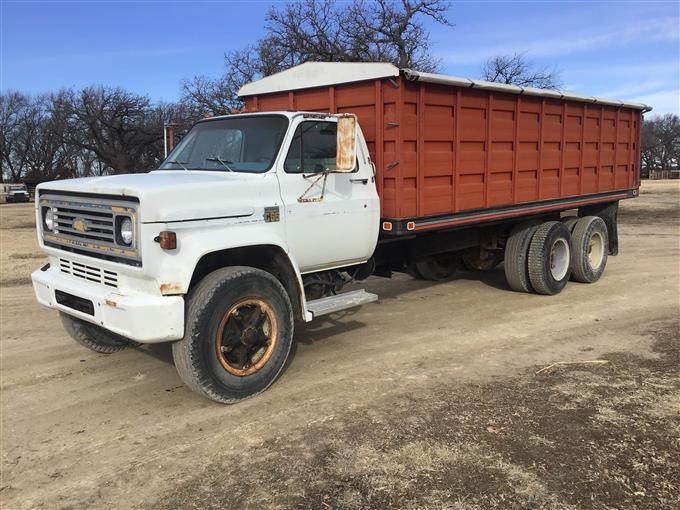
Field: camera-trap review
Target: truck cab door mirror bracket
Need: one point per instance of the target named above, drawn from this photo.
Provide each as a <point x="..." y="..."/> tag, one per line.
<point x="304" y="198"/>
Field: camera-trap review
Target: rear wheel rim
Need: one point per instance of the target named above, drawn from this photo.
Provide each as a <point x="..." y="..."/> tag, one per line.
<point x="595" y="250"/>
<point x="246" y="337"/>
<point x="559" y="259"/>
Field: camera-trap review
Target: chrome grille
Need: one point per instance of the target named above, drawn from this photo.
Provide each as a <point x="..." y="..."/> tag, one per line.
<point x="90" y="273"/>
<point x="88" y="225"/>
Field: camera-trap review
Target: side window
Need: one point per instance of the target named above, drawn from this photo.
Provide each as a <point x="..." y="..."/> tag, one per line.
<point x="313" y="148"/>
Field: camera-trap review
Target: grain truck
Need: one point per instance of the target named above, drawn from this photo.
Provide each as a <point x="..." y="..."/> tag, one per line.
<point x="333" y="172"/>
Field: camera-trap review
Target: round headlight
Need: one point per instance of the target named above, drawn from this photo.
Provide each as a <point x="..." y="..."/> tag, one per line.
<point x="126" y="231"/>
<point x="49" y="220"/>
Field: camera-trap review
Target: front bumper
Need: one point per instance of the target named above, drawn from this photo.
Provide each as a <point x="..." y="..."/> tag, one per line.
<point x="18" y="198"/>
<point x="140" y="317"/>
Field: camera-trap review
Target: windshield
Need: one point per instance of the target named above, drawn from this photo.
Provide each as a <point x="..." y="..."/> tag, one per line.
<point x="238" y="144"/>
<point x="17" y="187"/>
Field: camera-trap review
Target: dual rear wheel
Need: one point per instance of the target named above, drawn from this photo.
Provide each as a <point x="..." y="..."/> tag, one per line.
<point x="543" y="257"/>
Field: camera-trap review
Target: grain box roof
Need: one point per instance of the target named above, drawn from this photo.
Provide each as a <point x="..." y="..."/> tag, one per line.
<point x="325" y="74"/>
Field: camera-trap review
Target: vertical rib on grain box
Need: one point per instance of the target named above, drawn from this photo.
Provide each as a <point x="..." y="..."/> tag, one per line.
<point x="450" y="150"/>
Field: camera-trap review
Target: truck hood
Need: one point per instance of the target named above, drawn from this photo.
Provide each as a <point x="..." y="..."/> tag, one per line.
<point x="177" y="195"/>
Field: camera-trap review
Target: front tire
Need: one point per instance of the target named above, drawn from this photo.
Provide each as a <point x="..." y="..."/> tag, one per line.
<point x="238" y="334"/>
<point x="92" y="336"/>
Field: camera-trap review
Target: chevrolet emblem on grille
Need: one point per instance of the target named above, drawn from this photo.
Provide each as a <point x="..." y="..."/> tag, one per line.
<point x="80" y="225"/>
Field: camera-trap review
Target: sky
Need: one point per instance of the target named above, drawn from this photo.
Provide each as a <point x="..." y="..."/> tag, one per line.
<point x="622" y="50"/>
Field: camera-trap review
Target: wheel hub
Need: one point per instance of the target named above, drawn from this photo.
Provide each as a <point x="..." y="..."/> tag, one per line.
<point x="249" y="336"/>
<point x="595" y="250"/>
<point x="246" y="337"/>
<point x="559" y="259"/>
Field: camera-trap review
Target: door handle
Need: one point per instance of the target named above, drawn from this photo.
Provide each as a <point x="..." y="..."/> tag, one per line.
<point x="362" y="181"/>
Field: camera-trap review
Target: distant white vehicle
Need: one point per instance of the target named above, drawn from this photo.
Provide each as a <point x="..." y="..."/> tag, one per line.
<point x="15" y="193"/>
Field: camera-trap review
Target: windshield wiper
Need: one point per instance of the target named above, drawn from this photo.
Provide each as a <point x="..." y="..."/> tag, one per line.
<point x="222" y="162"/>
<point x="179" y="163"/>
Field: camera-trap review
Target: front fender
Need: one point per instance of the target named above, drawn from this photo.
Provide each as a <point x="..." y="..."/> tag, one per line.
<point x="173" y="269"/>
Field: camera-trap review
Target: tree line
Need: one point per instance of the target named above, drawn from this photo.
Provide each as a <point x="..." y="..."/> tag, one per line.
<point x="108" y="130"/>
<point x="76" y="133"/>
<point x="660" y="145"/>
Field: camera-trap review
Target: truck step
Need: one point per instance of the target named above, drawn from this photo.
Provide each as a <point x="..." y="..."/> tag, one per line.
<point x="339" y="302"/>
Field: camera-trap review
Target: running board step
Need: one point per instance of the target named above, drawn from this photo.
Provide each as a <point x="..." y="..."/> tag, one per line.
<point x="339" y="302"/>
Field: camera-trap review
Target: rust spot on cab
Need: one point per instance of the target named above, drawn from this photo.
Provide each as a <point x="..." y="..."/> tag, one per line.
<point x="110" y="302"/>
<point x="171" y="288"/>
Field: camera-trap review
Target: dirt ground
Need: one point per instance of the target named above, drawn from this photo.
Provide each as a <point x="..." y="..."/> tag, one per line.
<point x="432" y="398"/>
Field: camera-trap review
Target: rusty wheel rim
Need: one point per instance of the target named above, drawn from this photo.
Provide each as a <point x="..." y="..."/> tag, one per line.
<point x="246" y="337"/>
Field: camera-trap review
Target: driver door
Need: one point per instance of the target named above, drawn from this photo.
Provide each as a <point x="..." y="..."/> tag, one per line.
<point x="332" y="219"/>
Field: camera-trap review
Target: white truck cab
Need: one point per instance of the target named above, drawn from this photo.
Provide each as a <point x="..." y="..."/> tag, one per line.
<point x="249" y="224"/>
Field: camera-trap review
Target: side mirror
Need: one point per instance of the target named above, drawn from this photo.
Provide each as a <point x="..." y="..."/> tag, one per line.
<point x="346" y="155"/>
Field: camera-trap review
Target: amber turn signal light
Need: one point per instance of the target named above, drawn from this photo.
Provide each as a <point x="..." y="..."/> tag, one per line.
<point x="167" y="240"/>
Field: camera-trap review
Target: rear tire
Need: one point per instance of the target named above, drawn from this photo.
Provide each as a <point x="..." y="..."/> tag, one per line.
<point x="92" y="336"/>
<point x="570" y="222"/>
<point x="550" y="258"/>
<point x="238" y="336"/>
<point x="435" y="268"/>
<point x="590" y="248"/>
<point x="516" y="256"/>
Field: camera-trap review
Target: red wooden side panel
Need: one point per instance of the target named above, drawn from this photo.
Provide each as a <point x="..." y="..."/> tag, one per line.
<point x="501" y="150"/>
<point x="436" y="154"/>
<point x="528" y="141"/>
<point x="442" y="149"/>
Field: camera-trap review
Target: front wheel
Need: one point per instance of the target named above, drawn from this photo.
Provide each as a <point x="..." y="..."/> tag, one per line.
<point x="238" y="334"/>
<point x="92" y="336"/>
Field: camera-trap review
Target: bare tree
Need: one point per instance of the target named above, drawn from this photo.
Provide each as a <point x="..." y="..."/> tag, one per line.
<point x="94" y="131"/>
<point x="660" y="147"/>
<point x="515" y="69"/>
<point x="49" y="156"/>
<point x="393" y="31"/>
<point x="121" y="128"/>
<point x="30" y="141"/>
<point x="324" y="31"/>
<point x="14" y="111"/>
<point x="206" y="96"/>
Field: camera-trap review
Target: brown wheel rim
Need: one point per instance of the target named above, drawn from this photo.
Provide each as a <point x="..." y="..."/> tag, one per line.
<point x="246" y="337"/>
